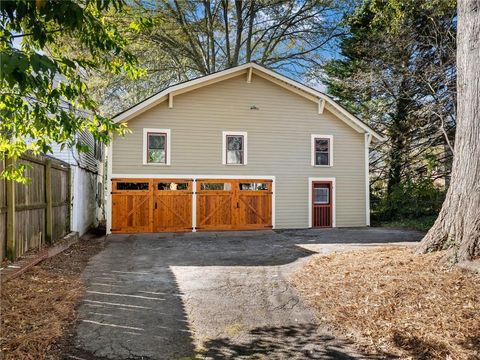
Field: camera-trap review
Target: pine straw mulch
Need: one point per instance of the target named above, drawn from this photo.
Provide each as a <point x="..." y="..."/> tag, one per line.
<point x="38" y="308"/>
<point x="394" y="302"/>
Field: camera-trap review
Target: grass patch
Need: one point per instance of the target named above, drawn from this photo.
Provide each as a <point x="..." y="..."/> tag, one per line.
<point x="422" y="223"/>
<point x="396" y="303"/>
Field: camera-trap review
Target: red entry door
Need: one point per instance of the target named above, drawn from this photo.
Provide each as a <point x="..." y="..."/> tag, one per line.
<point x="322" y="204"/>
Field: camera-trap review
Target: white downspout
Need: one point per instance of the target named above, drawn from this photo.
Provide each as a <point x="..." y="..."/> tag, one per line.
<point x="368" y="140"/>
<point x="109" y="187"/>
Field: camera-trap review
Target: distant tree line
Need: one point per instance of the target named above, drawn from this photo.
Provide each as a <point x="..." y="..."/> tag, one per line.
<point x="179" y="40"/>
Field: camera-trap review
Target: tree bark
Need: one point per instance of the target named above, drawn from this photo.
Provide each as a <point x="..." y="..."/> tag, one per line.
<point x="251" y="19"/>
<point x="238" y="33"/>
<point x="458" y="224"/>
<point x="227" y="31"/>
<point x="211" y="37"/>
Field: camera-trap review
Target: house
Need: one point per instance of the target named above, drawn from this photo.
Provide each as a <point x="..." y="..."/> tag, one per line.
<point x="245" y="148"/>
<point x="86" y="183"/>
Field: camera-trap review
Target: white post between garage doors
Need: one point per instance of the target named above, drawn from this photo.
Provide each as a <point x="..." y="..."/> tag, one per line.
<point x="194" y="188"/>
<point x="194" y="205"/>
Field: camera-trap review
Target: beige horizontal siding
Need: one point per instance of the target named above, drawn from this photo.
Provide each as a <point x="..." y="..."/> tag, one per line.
<point x="279" y="141"/>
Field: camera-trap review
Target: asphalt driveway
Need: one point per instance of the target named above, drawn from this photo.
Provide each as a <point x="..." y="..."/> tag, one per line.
<point x="211" y="295"/>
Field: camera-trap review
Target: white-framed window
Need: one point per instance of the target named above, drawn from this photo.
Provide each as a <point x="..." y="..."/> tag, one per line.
<point x="322" y="150"/>
<point x="234" y="149"/>
<point x="156" y="146"/>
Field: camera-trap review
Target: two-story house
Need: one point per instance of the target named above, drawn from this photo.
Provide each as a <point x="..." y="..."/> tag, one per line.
<point x="244" y="148"/>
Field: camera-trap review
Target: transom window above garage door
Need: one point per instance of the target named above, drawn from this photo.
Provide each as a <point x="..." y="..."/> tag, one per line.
<point x="131" y="186"/>
<point x="253" y="186"/>
<point x="156" y="146"/>
<point x="216" y="186"/>
<point x="172" y="186"/>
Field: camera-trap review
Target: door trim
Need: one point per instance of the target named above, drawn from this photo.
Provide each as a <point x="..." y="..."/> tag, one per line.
<point x="311" y="180"/>
<point x="111" y="176"/>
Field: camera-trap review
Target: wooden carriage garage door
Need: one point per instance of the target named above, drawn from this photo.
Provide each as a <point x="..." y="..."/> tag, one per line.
<point x="151" y="205"/>
<point x="131" y="205"/>
<point x="156" y="205"/>
<point x="234" y="204"/>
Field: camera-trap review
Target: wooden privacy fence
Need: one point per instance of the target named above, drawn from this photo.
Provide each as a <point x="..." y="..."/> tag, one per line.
<point x="35" y="213"/>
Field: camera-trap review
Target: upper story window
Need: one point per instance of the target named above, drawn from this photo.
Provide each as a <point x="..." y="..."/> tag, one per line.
<point x="156" y="146"/>
<point x="234" y="148"/>
<point x="322" y="150"/>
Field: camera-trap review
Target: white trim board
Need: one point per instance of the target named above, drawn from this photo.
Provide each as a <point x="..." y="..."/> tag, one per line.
<point x="368" y="139"/>
<point x="293" y="85"/>
<point x="194" y="177"/>
<point x="108" y="202"/>
<point x="194" y="206"/>
<point x="183" y="176"/>
<point x="334" y="199"/>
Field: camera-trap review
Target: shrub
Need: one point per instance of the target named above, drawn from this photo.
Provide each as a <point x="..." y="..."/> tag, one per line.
<point x="409" y="200"/>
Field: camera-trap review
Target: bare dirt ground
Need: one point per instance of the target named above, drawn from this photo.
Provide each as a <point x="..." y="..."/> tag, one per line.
<point x="393" y="302"/>
<point x="38" y="308"/>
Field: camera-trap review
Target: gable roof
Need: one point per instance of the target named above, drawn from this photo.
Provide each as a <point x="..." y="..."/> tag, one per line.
<point x="323" y="100"/>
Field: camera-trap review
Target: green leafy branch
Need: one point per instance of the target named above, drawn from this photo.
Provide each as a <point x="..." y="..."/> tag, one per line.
<point x="43" y="97"/>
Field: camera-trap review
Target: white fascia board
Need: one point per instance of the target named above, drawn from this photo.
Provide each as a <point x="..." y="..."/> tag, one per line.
<point x="320" y="95"/>
<point x="163" y="95"/>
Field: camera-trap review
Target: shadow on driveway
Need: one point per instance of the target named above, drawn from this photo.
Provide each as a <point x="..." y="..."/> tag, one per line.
<point x="287" y="342"/>
<point x="141" y="287"/>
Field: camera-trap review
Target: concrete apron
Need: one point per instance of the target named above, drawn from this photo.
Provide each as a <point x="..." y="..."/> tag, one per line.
<point x="218" y="295"/>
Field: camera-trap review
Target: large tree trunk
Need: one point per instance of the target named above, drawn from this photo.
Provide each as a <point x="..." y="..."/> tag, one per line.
<point x="458" y="224"/>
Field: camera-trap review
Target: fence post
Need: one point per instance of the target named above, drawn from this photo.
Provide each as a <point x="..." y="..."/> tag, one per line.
<point x="11" y="243"/>
<point x="48" y="198"/>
